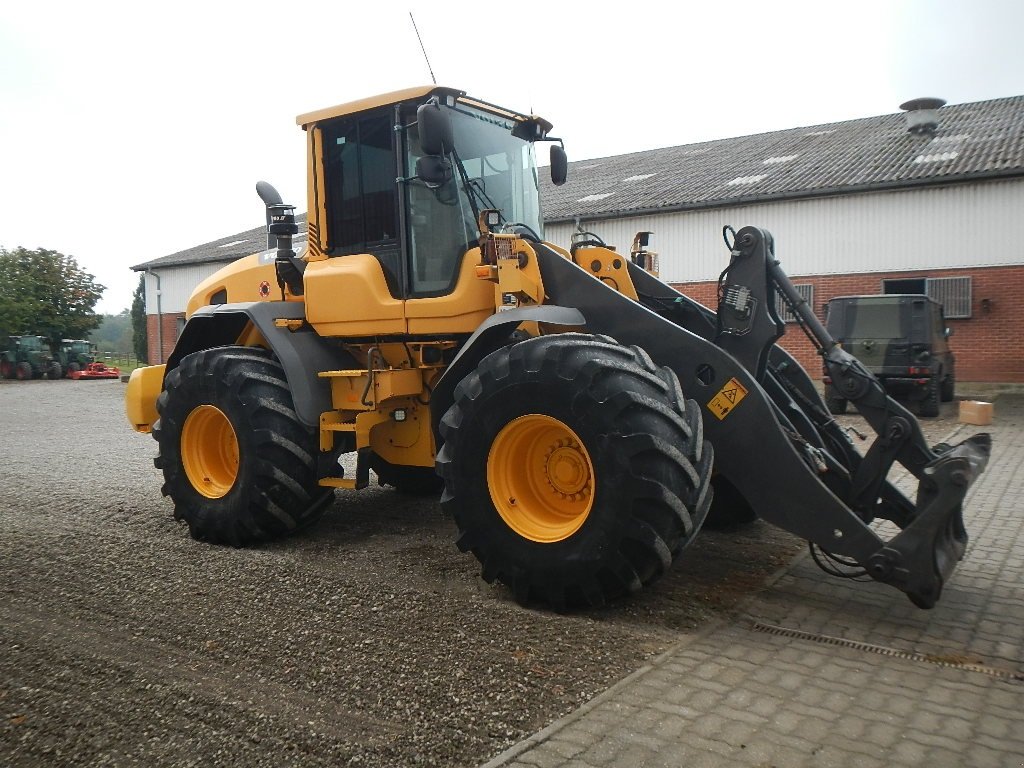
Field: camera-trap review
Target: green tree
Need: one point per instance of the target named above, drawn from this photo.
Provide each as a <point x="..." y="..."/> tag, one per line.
<point x="141" y="333"/>
<point x="46" y="292"/>
<point x="114" y="334"/>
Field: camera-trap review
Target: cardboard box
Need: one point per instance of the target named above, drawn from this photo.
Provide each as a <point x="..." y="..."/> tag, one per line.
<point x="975" y="412"/>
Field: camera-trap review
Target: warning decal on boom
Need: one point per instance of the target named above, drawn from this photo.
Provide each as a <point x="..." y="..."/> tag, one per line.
<point x="728" y="397"/>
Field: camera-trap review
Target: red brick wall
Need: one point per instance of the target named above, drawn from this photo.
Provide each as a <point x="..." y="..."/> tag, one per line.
<point x="169" y="328"/>
<point x="989" y="346"/>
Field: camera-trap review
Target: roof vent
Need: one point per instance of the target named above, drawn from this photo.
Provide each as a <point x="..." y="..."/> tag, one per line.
<point x="922" y="115"/>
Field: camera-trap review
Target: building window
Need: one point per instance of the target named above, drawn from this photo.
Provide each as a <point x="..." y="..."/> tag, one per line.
<point x="953" y="293"/>
<point x="806" y="291"/>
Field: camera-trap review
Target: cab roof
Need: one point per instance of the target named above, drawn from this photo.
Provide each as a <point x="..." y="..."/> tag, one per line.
<point x="372" y="102"/>
<point x="419" y="92"/>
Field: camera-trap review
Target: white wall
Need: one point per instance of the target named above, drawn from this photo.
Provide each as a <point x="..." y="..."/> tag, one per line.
<point x="931" y="228"/>
<point x="176" y="286"/>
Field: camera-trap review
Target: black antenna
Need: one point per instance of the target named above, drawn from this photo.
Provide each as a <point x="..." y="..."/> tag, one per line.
<point x="416" y="29"/>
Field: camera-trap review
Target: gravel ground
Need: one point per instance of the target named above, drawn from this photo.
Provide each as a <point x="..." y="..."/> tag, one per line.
<point x="366" y="640"/>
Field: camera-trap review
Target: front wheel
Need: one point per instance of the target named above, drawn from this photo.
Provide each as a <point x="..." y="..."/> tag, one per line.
<point x="574" y="469"/>
<point x="238" y="463"/>
<point x="23" y="371"/>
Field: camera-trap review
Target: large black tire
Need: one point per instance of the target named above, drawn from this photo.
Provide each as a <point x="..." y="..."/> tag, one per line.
<point x="413" y="481"/>
<point x="836" y="405"/>
<point x="6" y="369"/>
<point x="72" y="368"/>
<point x="948" y="390"/>
<point x="23" y="371"/>
<point x="929" y="405"/>
<point x="54" y="371"/>
<point x="273" y="489"/>
<point x="643" y="468"/>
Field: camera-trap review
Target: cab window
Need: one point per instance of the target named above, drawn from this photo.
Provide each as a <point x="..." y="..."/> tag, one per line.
<point x="361" y="194"/>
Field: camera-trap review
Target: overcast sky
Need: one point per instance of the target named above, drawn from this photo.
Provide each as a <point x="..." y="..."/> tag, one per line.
<point x="133" y="130"/>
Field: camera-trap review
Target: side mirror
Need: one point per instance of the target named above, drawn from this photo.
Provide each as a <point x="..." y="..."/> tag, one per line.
<point x="559" y="165"/>
<point x="433" y="170"/>
<point x="435" y="127"/>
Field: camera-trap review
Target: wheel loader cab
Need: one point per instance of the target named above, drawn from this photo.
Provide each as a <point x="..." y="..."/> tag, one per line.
<point x="400" y="246"/>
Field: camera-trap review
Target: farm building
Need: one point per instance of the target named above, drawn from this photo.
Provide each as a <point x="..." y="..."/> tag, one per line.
<point x="921" y="201"/>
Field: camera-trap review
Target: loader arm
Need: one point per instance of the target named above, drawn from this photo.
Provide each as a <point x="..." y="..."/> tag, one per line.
<point x="772" y="436"/>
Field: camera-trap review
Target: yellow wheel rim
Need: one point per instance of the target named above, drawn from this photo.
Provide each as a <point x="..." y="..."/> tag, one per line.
<point x="209" y="451"/>
<point x="541" y="478"/>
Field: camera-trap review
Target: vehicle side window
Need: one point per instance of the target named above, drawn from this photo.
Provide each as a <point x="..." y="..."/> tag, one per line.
<point x="361" y="194"/>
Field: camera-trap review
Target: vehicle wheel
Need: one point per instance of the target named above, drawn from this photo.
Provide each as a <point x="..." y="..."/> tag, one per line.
<point x="23" y="371"/>
<point x="729" y="509"/>
<point x="54" y="371"/>
<point x="414" y="481"/>
<point x="237" y="462"/>
<point x="948" y="390"/>
<point x="6" y="369"/>
<point x="836" y="405"/>
<point x="930" y="402"/>
<point x="574" y="469"/>
<point x="73" y="368"/>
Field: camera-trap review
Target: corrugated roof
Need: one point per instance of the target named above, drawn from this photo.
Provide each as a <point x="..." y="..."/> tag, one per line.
<point x="225" y="250"/>
<point x="977" y="140"/>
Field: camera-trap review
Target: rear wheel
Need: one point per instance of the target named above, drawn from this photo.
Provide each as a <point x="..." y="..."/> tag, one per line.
<point x="930" y="401"/>
<point x="237" y="462"/>
<point x="835" y="404"/>
<point x="6" y="369"/>
<point x="54" y="371"/>
<point x="574" y="469"/>
<point x="23" y="371"/>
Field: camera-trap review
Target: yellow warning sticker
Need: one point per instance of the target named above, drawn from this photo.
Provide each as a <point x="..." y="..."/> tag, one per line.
<point x="728" y="397"/>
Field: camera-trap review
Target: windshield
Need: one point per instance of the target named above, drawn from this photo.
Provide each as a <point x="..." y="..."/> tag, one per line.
<point x="30" y="343"/>
<point x="80" y="346"/>
<point x="492" y="169"/>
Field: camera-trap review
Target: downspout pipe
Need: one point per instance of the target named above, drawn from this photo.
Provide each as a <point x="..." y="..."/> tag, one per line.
<point x="159" y="319"/>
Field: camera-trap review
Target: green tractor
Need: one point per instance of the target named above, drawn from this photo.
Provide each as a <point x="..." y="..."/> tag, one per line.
<point x="74" y="355"/>
<point x="28" y="357"/>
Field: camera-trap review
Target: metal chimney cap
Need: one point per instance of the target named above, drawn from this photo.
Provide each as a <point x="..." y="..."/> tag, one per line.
<point x="925" y="102"/>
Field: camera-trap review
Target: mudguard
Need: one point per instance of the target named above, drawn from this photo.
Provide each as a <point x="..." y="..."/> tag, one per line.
<point x="493" y="333"/>
<point x="302" y="353"/>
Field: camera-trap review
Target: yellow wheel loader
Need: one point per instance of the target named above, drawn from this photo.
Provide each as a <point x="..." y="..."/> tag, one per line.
<point x="427" y="329"/>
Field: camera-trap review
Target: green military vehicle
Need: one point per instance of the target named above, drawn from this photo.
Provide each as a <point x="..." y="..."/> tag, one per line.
<point x="902" y="339"/>
<point x="28" y="357"/>
<point x="75" y="355"/>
